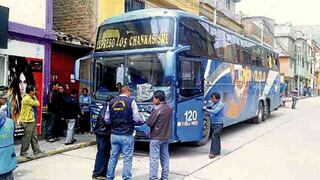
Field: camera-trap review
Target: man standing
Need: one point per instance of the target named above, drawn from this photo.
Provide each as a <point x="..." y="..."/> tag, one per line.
<point x="28" y="122"/>
<point x="103" y="132"/>
<point x="216" y="112"/>
<point x="72" y="108"/>
<point x="85" y="101"/>
<point x="294" y="95"/>
<point x="53" y="112"/>
<point x="160" y="122"/>
<point x="8" y="161"/>
<point x="123" y="116"/>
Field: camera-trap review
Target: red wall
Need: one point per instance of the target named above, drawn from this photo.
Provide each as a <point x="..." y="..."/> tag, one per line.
<point x="62" y="65"/>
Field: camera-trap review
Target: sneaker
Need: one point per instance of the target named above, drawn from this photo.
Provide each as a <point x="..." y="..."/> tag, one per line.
<point x="68" y="143"/>
<point x="211" y="156"/>
<point x="40" y="153"/>
<point x="27" y="156"/>
<point x="74" y="140"/>
<point x="101" y="178"/>
<point x="51" y="140"/>
<point x="56" y="139"/>
<point x="98" y="178"/>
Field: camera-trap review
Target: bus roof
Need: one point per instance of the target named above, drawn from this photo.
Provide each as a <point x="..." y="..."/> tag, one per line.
<point x="145" y="13"/>
<point x="153" y="12"/>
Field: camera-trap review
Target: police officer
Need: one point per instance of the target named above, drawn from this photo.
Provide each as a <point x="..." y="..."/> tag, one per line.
<point x="8" y="161"/>
<point x="123" y="115"/>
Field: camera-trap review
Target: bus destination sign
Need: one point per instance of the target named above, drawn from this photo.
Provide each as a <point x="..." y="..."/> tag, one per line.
<point x="112" y="40"/>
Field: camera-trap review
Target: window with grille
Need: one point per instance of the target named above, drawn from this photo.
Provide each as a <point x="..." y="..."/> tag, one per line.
<point x="132" y="5"/>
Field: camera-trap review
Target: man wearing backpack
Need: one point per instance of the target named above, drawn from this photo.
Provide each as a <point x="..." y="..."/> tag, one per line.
<point x="103" y="132"/>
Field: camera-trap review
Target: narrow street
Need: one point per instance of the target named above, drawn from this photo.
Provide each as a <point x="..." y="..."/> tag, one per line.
<point x="286" y="146"/>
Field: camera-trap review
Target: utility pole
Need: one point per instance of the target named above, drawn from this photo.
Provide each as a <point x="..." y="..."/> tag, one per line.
<point x="215" y="12"/>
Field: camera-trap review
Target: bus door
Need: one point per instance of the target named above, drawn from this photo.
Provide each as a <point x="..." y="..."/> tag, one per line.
<point x="190" y="99"/>
<point x="83" y="72"/>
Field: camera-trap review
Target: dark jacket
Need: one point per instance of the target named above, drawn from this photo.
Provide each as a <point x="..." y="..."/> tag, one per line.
<point x="121" y="116"/>
<point x="71" y="107"/>
<point x="53" y="105"/>
<point x="102" y="129"/>
<point x="160" y="122"/>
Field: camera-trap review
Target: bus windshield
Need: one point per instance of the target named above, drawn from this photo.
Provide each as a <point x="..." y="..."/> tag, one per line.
<point x="136" y="34"/>
<point x="143" y="73"/>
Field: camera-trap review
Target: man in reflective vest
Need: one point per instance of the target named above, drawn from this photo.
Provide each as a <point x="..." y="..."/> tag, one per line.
<point x="8" y="161"/>
<point x="123" y="115"/>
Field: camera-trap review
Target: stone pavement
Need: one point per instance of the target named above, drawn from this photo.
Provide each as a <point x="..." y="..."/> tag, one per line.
<point x="57" y="147"/>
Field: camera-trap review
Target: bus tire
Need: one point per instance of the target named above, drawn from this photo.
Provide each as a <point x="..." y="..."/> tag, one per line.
<point x="206" y="133"/>
<point x="261" y="116"/>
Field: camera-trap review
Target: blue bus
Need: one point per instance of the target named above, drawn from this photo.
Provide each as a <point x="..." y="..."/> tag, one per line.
<point x="188" y="58"/>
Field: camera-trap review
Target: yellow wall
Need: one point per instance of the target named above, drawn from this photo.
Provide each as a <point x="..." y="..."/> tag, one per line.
<point x="186" y="5"/>
<point x="109" y="8"/>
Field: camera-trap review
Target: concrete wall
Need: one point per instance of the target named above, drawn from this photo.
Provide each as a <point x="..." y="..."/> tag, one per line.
<point x="27" y="12"/>
<point x="109" y="8"/>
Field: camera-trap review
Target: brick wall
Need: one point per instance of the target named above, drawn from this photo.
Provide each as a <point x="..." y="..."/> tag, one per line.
<point x="75" y="17"/>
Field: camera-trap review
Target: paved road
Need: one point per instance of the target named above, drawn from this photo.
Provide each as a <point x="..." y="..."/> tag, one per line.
<point x="286" y="146"/>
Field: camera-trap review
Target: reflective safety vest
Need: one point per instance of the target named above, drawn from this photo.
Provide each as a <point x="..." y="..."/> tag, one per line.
<point x="8" y="161"/>
<point x="121" y="116"/>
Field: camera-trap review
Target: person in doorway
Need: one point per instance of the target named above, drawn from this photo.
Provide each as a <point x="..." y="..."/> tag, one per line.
<point x="294" y="96"/>
<point x="102" y="131"/>
<point x="216" y="112"/>
<point x="53" y="112"/>
<point x="85" y="102"/>
<point x="28" y="122"/>
<point x="72" y="109"/>
<point x="123" y="116"/>
<point x="160" y="123"/>
<point x="8" y="161"/>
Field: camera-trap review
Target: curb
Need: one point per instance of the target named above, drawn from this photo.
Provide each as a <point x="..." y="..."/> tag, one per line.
<point x="302" y="97"/>
<point x="56" y="151"/>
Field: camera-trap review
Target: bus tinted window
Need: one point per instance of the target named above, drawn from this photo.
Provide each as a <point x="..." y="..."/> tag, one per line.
<point x="142" y="33"/>
<point x="194" y="34"/>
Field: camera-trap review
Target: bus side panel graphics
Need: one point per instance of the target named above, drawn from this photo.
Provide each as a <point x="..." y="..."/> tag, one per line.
<point x="242" y="94"/>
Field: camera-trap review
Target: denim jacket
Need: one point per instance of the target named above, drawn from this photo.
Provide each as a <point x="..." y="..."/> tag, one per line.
<point x="8" y="161"/>
<point x="216" y="113"/>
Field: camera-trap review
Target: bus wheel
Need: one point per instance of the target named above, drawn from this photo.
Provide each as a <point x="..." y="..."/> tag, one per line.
<point x="206" y="133"/>
<point x="261" y="116"/>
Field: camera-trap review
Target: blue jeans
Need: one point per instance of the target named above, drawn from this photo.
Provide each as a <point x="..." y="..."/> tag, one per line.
<point x="159" y="150"/>
<point x="70" y="130"/>
<point x="102" y="157"/>
<point x="216" y="143"/>
<point x="121" y="144"/>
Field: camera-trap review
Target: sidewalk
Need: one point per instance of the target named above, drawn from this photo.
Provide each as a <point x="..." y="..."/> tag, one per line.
<point x="289" y="99"/>
<point x="57" y="147"/>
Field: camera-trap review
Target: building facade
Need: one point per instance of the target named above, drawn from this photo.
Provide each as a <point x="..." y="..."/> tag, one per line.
<point x="285" y="46"/>
<point x="75" y="26"/>
<point x="27" y="57"/>
<point x="260" y="29"/>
